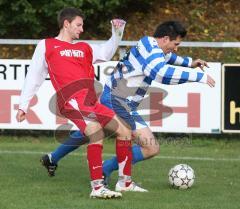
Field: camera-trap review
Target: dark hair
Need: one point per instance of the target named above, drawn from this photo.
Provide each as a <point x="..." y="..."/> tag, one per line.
<point x="68" y="14"/>
<point x="173" y="29"/>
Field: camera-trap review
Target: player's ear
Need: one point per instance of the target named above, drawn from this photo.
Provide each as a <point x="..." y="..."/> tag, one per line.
<point x="66" y="23"/>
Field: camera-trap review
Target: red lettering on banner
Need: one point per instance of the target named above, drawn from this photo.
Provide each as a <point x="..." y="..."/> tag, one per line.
<point x="60" y="120"/>
<point x="157" y="109"/>
<point x="5" y="107"/>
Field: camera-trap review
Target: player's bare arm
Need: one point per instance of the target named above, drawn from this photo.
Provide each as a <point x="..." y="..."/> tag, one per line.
<point x="199" y="63"/>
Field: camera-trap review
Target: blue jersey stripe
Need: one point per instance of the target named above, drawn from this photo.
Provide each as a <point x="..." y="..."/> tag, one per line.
<point x="168" y="75"/>
<point x="155" y="70"/>
<point x="184" y="77"/>
<point x="146" y="44"/>
<point x="128" y="65"/>
<point x="141" y="92"/>
<point x="185" y="62"/>
<point x="172" y="59"/>
<point x="120" y="72"/>
<point x="199" y="76"/>
<point x="133" y="105"/>
<point x="137" y="55"/>
<point x="113" y="81"/>
<point x="147" y="80"/>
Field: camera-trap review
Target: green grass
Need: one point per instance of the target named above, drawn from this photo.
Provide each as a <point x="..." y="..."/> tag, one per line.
<point x="24" y="184"/>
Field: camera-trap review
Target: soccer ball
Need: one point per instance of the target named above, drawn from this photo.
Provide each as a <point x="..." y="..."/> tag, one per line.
<point x="181" y="176"/>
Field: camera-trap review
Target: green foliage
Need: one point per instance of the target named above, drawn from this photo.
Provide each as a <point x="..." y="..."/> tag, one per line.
<point x="35" y="19"/>
<point x="16" y="17"/>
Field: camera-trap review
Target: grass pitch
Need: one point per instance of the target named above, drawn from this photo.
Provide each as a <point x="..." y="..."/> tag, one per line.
<point x="24" y="183"/>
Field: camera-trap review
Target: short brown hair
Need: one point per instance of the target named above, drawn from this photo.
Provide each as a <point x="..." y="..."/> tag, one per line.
<point x="68" y="14"/>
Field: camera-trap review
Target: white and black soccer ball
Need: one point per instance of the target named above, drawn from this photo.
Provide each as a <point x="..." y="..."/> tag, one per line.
<point x="181" y="176"/>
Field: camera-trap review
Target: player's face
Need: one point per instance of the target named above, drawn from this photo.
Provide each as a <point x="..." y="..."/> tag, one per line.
<point x="75" y="28"/>
<point x="172" y="45"/>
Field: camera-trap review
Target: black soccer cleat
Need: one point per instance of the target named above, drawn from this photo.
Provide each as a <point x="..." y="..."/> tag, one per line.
<point x="47" y="163"/>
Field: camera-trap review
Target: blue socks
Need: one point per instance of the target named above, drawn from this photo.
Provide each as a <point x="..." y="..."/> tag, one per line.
<point x="112" y="164"/>
<point x="73" y="142"/>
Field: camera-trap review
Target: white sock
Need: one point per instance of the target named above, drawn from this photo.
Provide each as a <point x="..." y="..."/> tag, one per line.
<point x="96" y="184"/>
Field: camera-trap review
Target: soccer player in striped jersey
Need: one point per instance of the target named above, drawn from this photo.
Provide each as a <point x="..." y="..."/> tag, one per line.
<point x="152" y="59"/>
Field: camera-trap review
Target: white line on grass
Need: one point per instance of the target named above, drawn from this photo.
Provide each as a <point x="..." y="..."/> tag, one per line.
<point x="25" y="152"/>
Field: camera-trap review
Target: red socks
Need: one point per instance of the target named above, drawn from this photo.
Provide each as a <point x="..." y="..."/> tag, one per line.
<point x="94" y="156"/>
<point x="124" y="157"/>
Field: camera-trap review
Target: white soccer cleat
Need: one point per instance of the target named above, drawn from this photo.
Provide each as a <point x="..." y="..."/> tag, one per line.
<point x="104" y="193"/>
<point x="131" y="188"/>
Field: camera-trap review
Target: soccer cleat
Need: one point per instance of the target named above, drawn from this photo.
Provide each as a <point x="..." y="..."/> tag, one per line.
<point x="104" y="193"/>
<point x="47" y="163"/>
<point x="131" y="188"/>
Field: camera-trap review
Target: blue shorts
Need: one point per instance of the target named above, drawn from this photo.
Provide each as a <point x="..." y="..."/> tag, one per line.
<point x="120" y="107"/>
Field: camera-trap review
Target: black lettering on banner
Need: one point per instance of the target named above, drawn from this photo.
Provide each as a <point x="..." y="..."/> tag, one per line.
<point x="26" y="69"/>
<point x="15" y="66"/>
<point x="97" y="75"/>
<point x="3" y="71"/>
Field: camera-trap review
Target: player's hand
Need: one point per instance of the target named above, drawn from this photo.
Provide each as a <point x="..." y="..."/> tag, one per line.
<point x="118" y="23"/>
<point x="210" y="81"/>
<point x="199" y="63"/>
<point x="21" y="116"/>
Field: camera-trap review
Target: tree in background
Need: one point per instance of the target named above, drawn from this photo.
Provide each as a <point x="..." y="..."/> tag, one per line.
<point x="37" y="19"/>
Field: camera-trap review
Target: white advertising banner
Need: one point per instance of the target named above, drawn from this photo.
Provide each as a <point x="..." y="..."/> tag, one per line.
<point x="188" y="108"/>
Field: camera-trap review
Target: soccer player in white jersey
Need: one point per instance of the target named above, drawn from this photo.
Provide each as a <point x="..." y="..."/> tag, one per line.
<point x="70" y="66"/>
<point x="152" y="59"/>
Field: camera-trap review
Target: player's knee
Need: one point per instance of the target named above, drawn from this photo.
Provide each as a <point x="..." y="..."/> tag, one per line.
<point x="123" y="131"/>
<point x="94" y="132"/>
<point x="154" y="149"/>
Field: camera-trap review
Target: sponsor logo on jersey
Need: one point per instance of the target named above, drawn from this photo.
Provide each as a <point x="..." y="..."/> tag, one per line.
<point x="72" y="53"/>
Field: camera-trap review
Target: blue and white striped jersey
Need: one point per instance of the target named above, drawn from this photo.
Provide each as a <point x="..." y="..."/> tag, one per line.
<point x="146" y="62"/>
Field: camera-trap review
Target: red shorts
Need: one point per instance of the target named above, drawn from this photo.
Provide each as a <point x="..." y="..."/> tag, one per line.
<point x="81" y="114"/>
